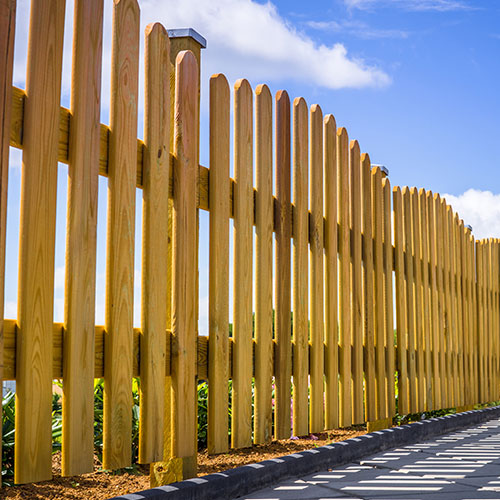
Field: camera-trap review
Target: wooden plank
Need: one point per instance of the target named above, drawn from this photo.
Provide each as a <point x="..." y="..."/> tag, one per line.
<point x="462" y="381"/>
<point x="7" y="32"/>
<point x="218" y="294"/>
<point x="368" y="285"/>
<point x="448" y="306"/>
<point x="119" y="313"/>
<point x="426" y="317"/>
<point x="417" y="270"/>
<point x="33" y="440"/>
<point x="316" y="409"/>
<point x="492" y="329"/>
<point x="184" y="264"/>
<point x="473" y="312"/>
<point x="282" y="294"/>
<point x="401" y="318"/>
<point x="345" y="330"/>
<point x="470" y="346"/>
<point x="467" y="374"/>
<point x="434" y="304"/>
<point x="263" y="265"/>
<point x="454" y="322"/>
<point x="439" y="232"/>
<point x="489" y="318"/>
<point x="495" y="333"/>
<point x="300" y="269"/>
<point x="410" y="305"/>
<point x="470" y="326"/>
<point x="78" y="354"/>
<point x="241" y="430"/>
<point x="487" y="325"/>
<point x="356" y="283"/>
<point x="389" y="300"/>
<point x="480" y="319"/>
<point x="378" y="257"/>
<point x="155" y="242"/>
<point x="331" y="276"/>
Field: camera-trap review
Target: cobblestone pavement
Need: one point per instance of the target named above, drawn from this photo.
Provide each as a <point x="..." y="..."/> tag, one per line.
<point x="460" y="465"/>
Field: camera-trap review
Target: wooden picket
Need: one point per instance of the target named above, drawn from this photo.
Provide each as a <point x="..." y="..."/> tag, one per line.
<point x="356" y="277"/>
<point x="264" y="266"/>
<point x="37" y="243"/>
<point x="83" y="156"/>
<point x="282" y="282"/>
<point x="324" y="348"/>
<point x="300" y="269"/>
<point x="7" y="31"/>
<point x="218" y="362"/>
<point x="316" y="227"/>
<point x="331" y="275"/>
<point x="345" y="408"/>
<point x="242" y="292"/>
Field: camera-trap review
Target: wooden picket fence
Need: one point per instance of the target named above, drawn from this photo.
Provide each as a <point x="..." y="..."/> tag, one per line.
<point x="348" y="252"/>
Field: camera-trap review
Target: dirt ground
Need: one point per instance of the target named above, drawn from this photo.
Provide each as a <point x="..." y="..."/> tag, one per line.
<point x="102" y="485"/>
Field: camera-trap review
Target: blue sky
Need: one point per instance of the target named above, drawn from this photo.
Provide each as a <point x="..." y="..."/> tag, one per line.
<point x="415" y="81"/>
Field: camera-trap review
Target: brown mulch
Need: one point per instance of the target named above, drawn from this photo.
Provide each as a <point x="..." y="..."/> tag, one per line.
<point x="102" y="485"/>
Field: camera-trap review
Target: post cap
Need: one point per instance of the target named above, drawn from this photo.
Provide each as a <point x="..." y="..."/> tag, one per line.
<point x="187" y="33"/>
<point x="383" y="169"/>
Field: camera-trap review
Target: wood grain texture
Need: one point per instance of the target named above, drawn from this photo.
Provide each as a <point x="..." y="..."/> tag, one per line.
<point x="389" y="300"/>
<point x="316" y="284"/>
<point x="184" y="264"/>
<point x="282" y="294"/>
<point x="426" y="316"/>
<point x="33" y="440"/>
<point x="433" y="303"/>
<point x="7" y="32"/>
<point x="417" y="271"/>
<point x="453" y="296"/>
<point x="488" y="319"/>
<point x="300" y="268"/>
<point x="438" y="229"/>
<point x="241" y="434"/>
<point x="368" y="301"/>
<point x="483" y="320"/>
<point x="410" y="306"/>
<point x="471" y="330"/>
<point x="345" y="325"/>
<point x="331" y="275"/>
<point x="378" y="257"/>
<point x="466" y="374"/>
<point x="156" y="181"/>
<point x="117" y="444"/>
<point x="401" y="317"/>
<point x="263" y="265"/>
<point x="462" y="387"/>
<point x="83" y="157"/>
<point x="218" y="295"/>
<point x="447" y="305"/>
<point x="356" y="277"/>
<point x="473" y="313"/>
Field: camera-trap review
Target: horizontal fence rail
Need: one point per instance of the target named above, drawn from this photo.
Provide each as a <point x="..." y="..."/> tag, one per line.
<point x="352" y="301"/>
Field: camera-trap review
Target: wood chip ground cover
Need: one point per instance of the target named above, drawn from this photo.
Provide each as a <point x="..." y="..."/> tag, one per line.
<point x="102" y="485"/>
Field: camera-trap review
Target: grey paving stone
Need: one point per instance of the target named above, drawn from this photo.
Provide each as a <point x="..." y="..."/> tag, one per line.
<point x="463" y="465"/>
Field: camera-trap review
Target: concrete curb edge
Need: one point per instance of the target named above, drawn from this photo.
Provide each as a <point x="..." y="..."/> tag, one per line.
<point x="247" y="478"/>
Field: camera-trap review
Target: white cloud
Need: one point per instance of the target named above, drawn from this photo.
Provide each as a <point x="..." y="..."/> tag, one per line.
<point x="251" y="40"/>
<point x="10" y="309"/>
<point x="480" y="209"/>
<point x="415" y="5"/>
<point x="358" y="29"/>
